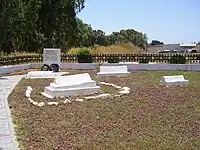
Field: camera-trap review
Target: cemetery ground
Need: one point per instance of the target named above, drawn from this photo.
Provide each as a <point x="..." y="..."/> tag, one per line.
<point x="150" y="117"/>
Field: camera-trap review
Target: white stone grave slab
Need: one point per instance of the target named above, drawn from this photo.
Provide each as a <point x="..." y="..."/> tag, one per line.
<point x="51" y="56"/>
<point x="128" y="62"/>
<point x="174" y="80"/>
<point x="43" y="74"/>
<point x="113" y="71"/>
<point x="71" y="85"/>
<point x="152" y="63"/>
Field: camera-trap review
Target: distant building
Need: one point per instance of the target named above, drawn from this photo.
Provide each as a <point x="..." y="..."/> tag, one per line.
<point x="174" y="48"/>
<point x="188" y="46"/>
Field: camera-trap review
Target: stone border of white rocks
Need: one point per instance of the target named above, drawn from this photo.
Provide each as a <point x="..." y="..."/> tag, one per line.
<point x="122" y="91"/>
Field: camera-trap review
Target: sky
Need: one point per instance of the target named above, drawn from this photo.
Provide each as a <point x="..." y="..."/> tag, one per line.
<point x="169" y="21"/>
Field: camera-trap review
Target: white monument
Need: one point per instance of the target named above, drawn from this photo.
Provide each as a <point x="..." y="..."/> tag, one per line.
<point x="113" y="71"/>
<point x="44" y="74"/>
<point x="128" y="62"/>
<point x="51" y="56"/>
<point x="71" y="85"/>
<point x="174" y="80"/>
<point x="152" y="63"/>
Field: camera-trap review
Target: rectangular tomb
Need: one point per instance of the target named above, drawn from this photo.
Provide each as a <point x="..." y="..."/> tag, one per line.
<point x="174" y="80"/>
<point x="71" y="85"/>
<point x="113" y="71"/>
<point x="44" y="74"/>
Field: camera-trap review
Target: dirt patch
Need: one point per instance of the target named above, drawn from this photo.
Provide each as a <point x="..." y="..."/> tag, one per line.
<point x="150" y="117"/>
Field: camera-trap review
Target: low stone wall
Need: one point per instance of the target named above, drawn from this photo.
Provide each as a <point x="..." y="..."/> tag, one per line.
<point x="9" y="69"/>
<point x="79" y="66"/>
<point x="93" y="66"/>
<point x="160" y="67"/>
<point x="76" y="66"/>
<point x="36" y="65"/>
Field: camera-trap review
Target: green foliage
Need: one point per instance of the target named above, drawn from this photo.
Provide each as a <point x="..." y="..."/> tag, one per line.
<point x="83" y="52"/>
<point x="87" y="37"/>
<point x="84" y="56"/>
<point x="30" y="25"/>
<point x="177" y="59"/>
<point x="113" y="60"/>
<point x="156" y="42"/>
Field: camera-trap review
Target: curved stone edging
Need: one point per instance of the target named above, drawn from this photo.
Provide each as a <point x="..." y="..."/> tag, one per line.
<point x="122" y="91"/>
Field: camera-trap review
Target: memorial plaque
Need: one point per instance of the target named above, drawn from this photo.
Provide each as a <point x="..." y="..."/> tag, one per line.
<point x="52" y="56"/>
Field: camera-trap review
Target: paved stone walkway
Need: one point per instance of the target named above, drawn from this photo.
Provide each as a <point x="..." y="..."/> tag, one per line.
<point x="7" y="133"/>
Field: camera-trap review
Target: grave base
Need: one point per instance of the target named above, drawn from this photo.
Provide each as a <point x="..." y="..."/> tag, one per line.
<point x="55" y="93"/>
<point x="44" y="74"/>
<point x="174" y="83"/>
<point x="112" y="74"/>
<point x="173" y="80"/>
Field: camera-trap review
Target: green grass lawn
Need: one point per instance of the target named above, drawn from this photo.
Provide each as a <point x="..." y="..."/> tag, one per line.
<point x="150" y="117"/>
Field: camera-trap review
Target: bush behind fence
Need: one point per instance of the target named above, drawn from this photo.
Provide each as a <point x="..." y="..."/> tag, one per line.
<point x="100" y="58"/>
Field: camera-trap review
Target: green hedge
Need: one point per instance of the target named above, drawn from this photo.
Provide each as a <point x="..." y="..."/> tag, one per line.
<point x="177" y="59"/>
<point x="84" y="56"/>
<point x="113" y="60"/>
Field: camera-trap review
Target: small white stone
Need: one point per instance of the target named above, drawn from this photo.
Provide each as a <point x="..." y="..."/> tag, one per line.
<point x="41" y="104"/>
<point x="104" y="96"/>
<point x="117" y="95"/>
<point x="91" y="97"/>
<point x="124" y="92"/>
<point x="110" y="84"/>
<point x="35" y="103"/>
<point x="118" y="87"/>
<point x="79" y="100"/>
<point x="29" y="88"/>
<point x="103" y="83"/>
<point x="28" y="95"/>
<point x="30" y="100"/>
<point x="67" y="101"/>
<point x="28" y="91"/>
<point x="52" y="103"/>
<point x="126" y="88"/>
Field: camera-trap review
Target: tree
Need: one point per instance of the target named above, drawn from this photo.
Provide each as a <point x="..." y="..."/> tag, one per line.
<point x="11" y="17"/>
<point x="98" y="37"/>
<point x="32" y="24"/>
<point x="84" y="36"/>
<point x="156" y="42"/>
<point x="58" y="18"/>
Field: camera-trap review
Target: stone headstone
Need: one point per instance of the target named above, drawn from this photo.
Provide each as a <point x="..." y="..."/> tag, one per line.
<point x="71" y="85"/>
<point x="113" y="71"/>
<point x="173" y="80"/>
<point x="51" y="56"/>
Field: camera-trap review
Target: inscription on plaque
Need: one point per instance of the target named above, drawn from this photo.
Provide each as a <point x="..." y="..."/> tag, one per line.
<point x="51" y="56"/>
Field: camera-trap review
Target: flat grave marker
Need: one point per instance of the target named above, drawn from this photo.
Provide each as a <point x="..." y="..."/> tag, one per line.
<point x="113" y="71"/>
<point x="174" y="80"/>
